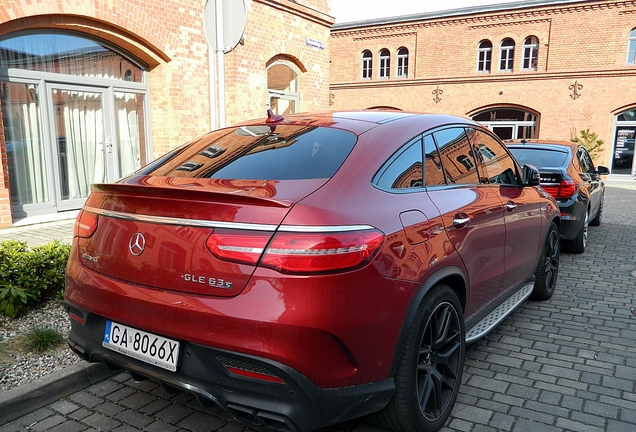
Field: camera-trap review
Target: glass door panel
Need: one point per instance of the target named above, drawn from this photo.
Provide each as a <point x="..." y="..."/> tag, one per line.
<point x="504" y="132"/>
<point x="131" y="142"/>
<point x="25" y="148"/>
<point x="80" y="143"/>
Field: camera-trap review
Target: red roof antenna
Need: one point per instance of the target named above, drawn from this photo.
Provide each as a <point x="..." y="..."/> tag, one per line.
<point x="273" y="118"/>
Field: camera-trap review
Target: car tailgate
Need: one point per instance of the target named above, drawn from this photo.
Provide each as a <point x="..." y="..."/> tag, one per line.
<point x="153" y="231"/>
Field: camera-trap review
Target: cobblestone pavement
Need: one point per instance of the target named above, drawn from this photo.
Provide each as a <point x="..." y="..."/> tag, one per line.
<point x="567" y="364"/>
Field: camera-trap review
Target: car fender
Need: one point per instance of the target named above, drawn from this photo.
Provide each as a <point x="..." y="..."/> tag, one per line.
<point x="454" y="277"/>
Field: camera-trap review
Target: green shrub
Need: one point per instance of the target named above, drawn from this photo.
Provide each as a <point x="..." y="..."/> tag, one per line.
<point x="590" y="141"/>
<point x="28" y="276"/>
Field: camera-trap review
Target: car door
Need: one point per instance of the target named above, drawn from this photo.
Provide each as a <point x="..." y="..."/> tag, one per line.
<point x="522" y="207"/>
<point x="590" y="179"/>
<point x="471" y="212"/>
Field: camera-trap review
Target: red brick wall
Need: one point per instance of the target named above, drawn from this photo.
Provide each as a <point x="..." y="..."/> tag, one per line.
<point x="583" y="42"/>
<point x="168" y="36"/>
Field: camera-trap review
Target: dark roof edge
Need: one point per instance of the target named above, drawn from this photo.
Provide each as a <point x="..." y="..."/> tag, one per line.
<point x="518" y="4"/>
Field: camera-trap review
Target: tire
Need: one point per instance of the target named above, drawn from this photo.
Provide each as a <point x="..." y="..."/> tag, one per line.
<point x="599" y="214"/>
<point x="579" y="243"/>
<point x="430" y="368"/>
<point x="548" y="266"/>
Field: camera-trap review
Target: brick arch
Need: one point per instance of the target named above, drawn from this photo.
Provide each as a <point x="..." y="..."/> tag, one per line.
<point x="291" y="50"/>
<point x="117" y="21"/>
<point x="476" y="111"/>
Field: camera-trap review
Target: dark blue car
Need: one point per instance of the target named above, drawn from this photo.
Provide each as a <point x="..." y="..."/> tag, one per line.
<point x="569" y="175"/>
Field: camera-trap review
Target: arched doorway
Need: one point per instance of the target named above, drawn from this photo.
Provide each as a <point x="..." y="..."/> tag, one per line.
<point x="509" y="123"/>
<point x="624" y="136"/>
<point x="74" y="112"/>
<point x="282" y="88"/>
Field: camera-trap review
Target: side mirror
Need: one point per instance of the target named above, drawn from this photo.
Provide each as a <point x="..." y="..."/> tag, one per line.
<point x="531" y="176"/>
<point x="601" y="170"/>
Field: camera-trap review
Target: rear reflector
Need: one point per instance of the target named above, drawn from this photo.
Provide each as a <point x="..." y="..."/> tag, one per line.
<point x="298" y="252"/>
<point x="255" y="375"/>
<point x="85" y="224"/>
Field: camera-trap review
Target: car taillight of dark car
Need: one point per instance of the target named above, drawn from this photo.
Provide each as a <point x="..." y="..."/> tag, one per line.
<point x="565" y="189"/>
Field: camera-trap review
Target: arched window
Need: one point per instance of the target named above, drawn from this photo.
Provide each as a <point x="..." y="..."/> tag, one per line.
<point x="282" y="87"/>
<point x="530" y="53"/>
<point x="402" y="62"/>
<point x="509" y="123"/>
<point x="74" y="112"/>
<point x="507" y="55"/>
<point x="484" y="56"/>
<point x="631" y="48"/>
<point x="385" y="63"/>
<point x="367" y="65"/>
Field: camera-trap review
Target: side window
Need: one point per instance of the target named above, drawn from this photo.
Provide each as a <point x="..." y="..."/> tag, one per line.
<point x="499" y="167"/>
<point x="456" y="156"/>
<point x="404" y="169"/>
<point x="585" y="160"/>
<point x="433" y="171"/>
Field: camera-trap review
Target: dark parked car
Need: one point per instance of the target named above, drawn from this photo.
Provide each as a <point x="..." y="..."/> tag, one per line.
<point x="306" y="270"/>
<point x="569" y="175"/>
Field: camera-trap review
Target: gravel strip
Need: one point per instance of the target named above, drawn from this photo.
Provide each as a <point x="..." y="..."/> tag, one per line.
<point x="18" y="367"/>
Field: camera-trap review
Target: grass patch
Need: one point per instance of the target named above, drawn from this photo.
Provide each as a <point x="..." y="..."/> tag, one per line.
<point x="39" y="340"/>
<point x="4" y="353"/>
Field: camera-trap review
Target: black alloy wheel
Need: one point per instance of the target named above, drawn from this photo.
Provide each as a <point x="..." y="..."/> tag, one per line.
<point x="430" y="369"/>
<point x="548" y="267"/>
<point x="599" y="214"/>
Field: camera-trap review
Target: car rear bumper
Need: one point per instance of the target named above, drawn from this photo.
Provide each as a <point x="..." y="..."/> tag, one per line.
<point x="257" y="391"/>
<point x="572" y="216"/>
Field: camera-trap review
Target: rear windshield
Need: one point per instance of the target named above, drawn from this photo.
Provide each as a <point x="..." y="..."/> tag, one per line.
<point x="282" y="152"/>
<point x="539" y="157"/>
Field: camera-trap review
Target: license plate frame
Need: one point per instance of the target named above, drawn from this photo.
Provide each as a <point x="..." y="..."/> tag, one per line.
<point x="141" y="345"/>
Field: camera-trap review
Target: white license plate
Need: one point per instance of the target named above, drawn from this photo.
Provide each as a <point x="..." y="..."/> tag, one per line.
<point x="144" y="346"/>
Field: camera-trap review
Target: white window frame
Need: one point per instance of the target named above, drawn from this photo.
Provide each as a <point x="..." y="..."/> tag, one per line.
<point x="484" y="56"/>
<point x="384" y="71"/>
<point x="530" y="53"/>
<point x="403" y="63"/>
<point x="507" y="55"/>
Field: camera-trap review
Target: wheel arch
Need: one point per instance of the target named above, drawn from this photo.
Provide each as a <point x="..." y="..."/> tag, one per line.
<point x="451" y="276"/>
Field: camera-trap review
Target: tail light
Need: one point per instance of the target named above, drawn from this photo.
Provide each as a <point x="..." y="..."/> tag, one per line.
<point x="298" y="252"/>
<point x="565" y="189"/>
<point x="85" y="224"/>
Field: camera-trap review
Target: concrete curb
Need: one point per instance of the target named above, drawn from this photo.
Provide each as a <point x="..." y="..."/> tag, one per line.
<point x="31" y="396"/>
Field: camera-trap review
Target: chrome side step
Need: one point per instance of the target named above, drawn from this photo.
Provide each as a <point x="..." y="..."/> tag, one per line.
<point x="490" y="321"/>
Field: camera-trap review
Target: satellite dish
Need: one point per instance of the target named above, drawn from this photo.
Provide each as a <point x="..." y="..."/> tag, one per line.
<point x="232" y="23"/>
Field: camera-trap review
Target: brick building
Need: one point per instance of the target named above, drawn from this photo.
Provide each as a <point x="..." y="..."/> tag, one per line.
<point x="535" y="69"/>
<point x="92" y="90"/>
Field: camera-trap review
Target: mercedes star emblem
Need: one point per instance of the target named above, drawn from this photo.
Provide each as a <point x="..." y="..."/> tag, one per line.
<point x="137" y="244"/>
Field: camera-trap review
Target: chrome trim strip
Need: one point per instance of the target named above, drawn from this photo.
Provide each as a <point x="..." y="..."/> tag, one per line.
<point x="319" y="229"/>
<point x="180" y="221"/>
<point x="218" y="224"/>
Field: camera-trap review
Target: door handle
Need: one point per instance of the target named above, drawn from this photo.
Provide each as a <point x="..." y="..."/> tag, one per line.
<point x="460" y="220"/>
<point x="510" y="206"/>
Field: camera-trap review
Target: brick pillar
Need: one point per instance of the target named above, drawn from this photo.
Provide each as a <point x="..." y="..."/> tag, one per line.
<point x="5" y="197"/>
